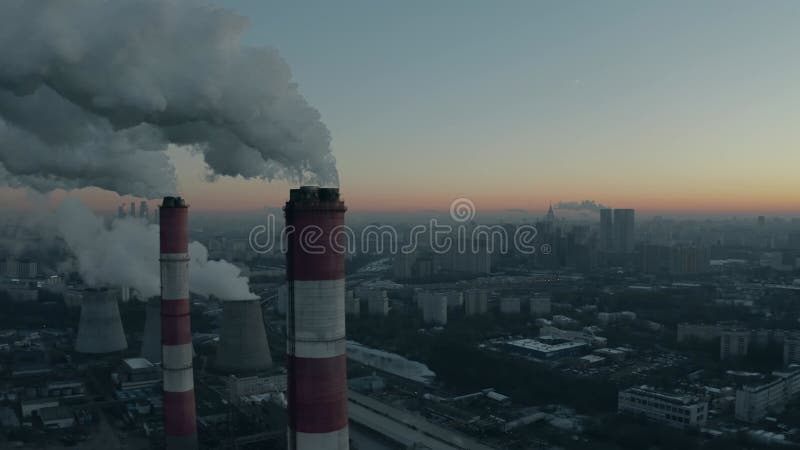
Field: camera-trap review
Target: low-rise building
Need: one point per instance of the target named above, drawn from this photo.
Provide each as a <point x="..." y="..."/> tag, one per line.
<point x="756" y="401"/>
<point x="137" y="373"/>
<point x="57" y="417"/>
<point x="546" y="347"/>
<point x="676" y="410"/>
<point x="540" y="306"/>
<point x="698" y="332"/>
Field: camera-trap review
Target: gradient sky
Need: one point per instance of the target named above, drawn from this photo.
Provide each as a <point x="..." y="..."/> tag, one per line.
<point x="659" y="106"/>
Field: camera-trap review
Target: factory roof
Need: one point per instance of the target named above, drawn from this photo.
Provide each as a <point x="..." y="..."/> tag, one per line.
<point x="545" y="344"/>
<point x="137" y="363"/>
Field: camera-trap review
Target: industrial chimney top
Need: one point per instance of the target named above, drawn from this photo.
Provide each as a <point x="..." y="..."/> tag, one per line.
<point x="173" y="202"/>
<point x="315" y="197"/>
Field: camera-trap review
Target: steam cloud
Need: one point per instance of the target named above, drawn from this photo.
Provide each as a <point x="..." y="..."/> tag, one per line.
<point x="586" y="205"/>
<point x="127" y="253"/>
<point x="93" y="91"/>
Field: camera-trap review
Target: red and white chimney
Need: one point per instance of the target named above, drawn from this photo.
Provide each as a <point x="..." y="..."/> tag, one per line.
<point x="180" y="425"/>
<point x="316" y="360"/>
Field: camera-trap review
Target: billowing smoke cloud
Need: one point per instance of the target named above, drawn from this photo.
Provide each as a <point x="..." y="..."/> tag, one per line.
<point x="586" y="205"/>
<point x="93" y="91"/>
<point x="126" y="252"/>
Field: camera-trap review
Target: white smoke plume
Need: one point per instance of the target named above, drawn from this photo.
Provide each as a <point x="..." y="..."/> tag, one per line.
<point x="126" y="252"/>
<point x="93" y="91"/>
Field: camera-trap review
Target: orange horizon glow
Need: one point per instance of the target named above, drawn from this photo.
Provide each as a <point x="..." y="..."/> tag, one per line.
<point x="208" y="199"/>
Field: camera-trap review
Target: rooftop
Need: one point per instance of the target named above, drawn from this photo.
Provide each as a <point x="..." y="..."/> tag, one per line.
<point x="137" y="363"/>
<point x="545" y="344"/>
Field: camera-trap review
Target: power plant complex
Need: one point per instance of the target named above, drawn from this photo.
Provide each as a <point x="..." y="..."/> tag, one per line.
<point x="315" y="319"/>
<point x="316" y="395"/>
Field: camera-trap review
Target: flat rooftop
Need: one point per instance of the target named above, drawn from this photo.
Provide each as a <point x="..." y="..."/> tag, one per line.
<point x="546" y="344"/>
<point x="137" y="363"/>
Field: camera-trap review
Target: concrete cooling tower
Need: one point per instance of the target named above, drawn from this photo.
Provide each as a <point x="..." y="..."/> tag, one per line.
<point x="100" y="329"/>
<point x="151" y="341"/>
<point x="243" y="345"/>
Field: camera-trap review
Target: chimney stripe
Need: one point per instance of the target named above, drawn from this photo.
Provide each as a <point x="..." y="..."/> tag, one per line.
<point x="317" y="394"/>
<point x="334" y="440"/>
<point x="182" y="420"/>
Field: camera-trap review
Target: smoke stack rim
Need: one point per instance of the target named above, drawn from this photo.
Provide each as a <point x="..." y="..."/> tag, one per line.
<point x="308" y="198"/>
<point x="173" y="202"/>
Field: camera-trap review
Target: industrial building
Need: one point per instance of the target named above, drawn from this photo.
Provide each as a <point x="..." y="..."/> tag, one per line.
<point x="546" y="348"/>
<point x="676" y="410"/>
<point x="136" y="373"/>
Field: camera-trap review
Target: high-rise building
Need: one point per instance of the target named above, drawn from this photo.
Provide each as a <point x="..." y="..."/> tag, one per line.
<point x="476" y="302"/>
<point x="133" y="209"/>
<point x="551" y="215"/>
<point x="144" y="211"/>
<point x="434" y="308"/>
<point x="606" y="230"/>
<point x="734" y="343"/>
<point x="121" y="211"/>
<point x="624" y="230"/>
<point x="791" y="349"/>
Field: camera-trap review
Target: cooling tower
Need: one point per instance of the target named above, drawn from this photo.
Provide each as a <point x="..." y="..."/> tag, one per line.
<point x="151" y="341"/>
<point x="243" y="345"/>
<point x="100" y="328"/>
<point x="180" y="425"/>
<point x="316" y="361"/>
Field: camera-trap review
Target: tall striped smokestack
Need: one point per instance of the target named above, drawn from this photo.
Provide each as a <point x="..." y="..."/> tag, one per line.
<point x="317" y="371"/>
<point x="180" y="425"/>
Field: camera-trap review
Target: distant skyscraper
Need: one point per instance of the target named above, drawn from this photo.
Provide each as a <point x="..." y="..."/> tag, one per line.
<point x="121" y="211"/>
<point x="551" y="216"/>
<point x="762" y="221"/>
<point x="133" y="209"/>
<point x="144" y="212"/>
<point x="623" y="230"/>
<point x="606" y="230"/>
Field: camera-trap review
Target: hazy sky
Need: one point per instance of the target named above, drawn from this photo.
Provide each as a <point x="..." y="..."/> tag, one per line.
<point x="660" y="106"/>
